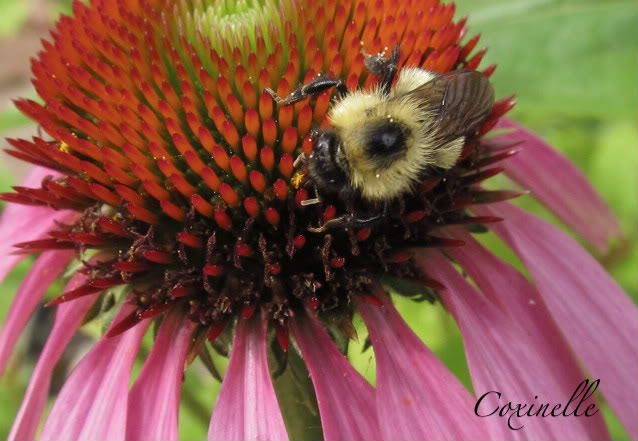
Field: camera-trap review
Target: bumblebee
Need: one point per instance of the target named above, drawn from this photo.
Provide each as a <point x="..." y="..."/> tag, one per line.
<point x="385" y="140"/>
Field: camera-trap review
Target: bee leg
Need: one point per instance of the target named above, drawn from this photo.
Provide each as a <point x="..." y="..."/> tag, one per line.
<point x="385" y="68"/>
<point x="347" y="222"/>
<point x="350" y="221"/>
<point x="315" y="87"/>
<point x="315" y="200"/>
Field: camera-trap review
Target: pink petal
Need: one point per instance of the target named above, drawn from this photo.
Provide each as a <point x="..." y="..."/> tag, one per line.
<point x="595" y="315"/>
<point x="498" y="280"/>
<point x="68" y="318"/>
<point x="20" y="223"/>
<point x="508" y="354"/>
<point x="154" y="400"/>
<point x="351" y="418"/>
<point x="560" y="186"/>
<point x="418" y="398"/>
<point x="43" y="272"/>
<point x="247" y="407"/>
<point x="93" y="403"/>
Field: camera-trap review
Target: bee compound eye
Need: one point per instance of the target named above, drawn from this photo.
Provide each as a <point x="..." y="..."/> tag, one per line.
<point x="326" y="165"/>
<point x="325" y="141"/>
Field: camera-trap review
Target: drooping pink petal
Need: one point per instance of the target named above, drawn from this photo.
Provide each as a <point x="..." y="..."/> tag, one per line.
<point x="354" y="418"/>
<point x="560" y="186"/>
<point x="418" y="398"/>
<point x="43" y="272"/>
<point x="21" y="223"/>
<point x="595" y="315"/>
<point x="93" y="403"/>
<point x="504" y="286"/>
<point x="68" y="318"/>
<point x="153" y="405"/>
<point x="519" y="363"/>
<point x="247" y="407"/>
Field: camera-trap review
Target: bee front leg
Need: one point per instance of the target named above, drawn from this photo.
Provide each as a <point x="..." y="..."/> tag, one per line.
<point x="315" y="87"/>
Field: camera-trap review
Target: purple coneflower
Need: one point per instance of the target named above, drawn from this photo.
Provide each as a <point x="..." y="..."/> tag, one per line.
<point x="171" y="176"/>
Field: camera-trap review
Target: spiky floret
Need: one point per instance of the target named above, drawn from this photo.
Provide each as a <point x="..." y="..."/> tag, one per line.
<point x="181" y="168"/>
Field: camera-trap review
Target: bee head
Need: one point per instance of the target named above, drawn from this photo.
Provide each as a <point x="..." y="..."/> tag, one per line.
<point x="327" y="165"/>
<point x="326" y="141"/>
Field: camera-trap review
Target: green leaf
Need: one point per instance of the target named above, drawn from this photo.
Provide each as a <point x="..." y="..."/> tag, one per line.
<point x="561" y="58"/>
<point x="12" y="118"/>
<point x="613" y="169"/>
<point x="6" y="181"/>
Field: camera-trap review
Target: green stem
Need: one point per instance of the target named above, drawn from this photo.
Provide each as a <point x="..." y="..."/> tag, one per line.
<point x="297" y="400"/>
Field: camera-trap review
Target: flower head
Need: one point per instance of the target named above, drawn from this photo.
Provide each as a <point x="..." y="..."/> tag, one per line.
<point x="175" y="179"/>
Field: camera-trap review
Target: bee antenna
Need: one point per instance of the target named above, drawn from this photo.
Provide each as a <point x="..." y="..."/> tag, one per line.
<point x="301" y="158"/>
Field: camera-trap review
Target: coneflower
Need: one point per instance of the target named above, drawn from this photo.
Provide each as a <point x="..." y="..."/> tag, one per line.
<point x="166" y="177"/>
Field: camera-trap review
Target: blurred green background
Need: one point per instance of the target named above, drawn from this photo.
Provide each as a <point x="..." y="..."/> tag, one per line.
<point x="571" y="63"/>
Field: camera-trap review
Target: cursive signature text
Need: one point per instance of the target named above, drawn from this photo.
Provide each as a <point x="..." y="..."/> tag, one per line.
<point x="583" y="391"/>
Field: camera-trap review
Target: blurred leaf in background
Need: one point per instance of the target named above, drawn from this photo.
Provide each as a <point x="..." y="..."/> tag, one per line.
<point x="573" y="65"/>
<point x="14" y="15"/>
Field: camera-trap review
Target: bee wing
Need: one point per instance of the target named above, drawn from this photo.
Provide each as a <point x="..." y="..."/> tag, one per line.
<point x="460" y="101"/>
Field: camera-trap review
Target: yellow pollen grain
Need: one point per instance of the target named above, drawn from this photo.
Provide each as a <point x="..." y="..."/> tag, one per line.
<point x="64" y="147"/>
<point x="296" y="180"/>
